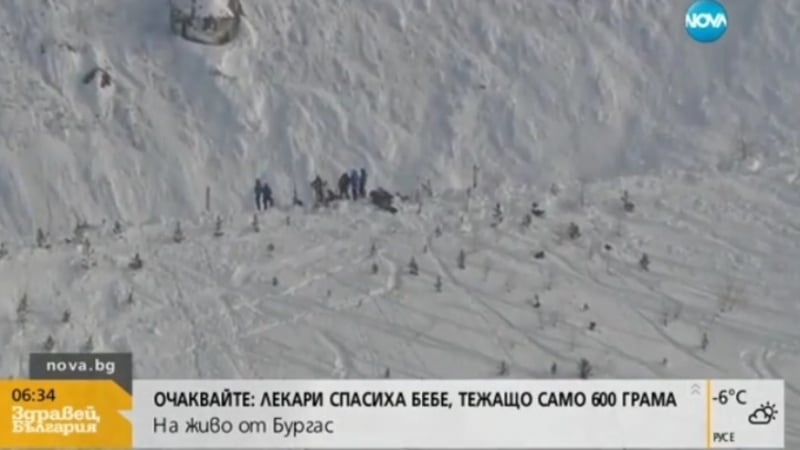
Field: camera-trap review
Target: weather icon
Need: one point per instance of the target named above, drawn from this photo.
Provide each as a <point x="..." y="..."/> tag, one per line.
<point x="764" y="415"/>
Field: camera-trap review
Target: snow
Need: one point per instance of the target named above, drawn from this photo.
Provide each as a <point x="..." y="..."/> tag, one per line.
<point x="591" y="97"/>
<point x="203" y="8"/>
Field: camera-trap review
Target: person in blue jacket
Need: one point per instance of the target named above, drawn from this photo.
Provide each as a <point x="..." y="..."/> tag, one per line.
<point x="354" y="183"/>
<point x="362" y="183"/>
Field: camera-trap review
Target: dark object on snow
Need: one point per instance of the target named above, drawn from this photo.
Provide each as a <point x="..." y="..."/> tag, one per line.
<point x="330" y="197"/>
<point x="584" y="368"/>
<point x="319" y="186"/>
<point x="627" y="204"/>
<point x="573" y="231"/>
<point x="105" y="77"/>
<point x="539" y="254"/>
<point x="41" y="239"/>
<point x="266" y="196"/>
<point x="362" y="183"/>
<point x="608" y="247"/>
<point x="644" y="263"/>
<point x="136" y="263"/>
<point x="536" y="211"/>
<point x="257" y="193"/>
<point x="413" y="268"/>
<point x="354" y="183"/>
<point x="209" y="30"/>
<point x="592" y="326"/>
<point x="344" y="185"/>
<point x="295" y="200"/>
<point x="382" y="199"/>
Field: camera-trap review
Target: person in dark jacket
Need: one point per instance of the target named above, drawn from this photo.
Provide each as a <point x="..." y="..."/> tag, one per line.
<point x="362" y="183"/>
<point x="354" y="183"/>
<point x="344" y="186"/>
<point x="319" y="189"/>
<point x="257" y="191"/>
<point x="266" y="196"/>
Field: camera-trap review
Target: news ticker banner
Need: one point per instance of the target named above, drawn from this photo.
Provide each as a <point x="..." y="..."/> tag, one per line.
<point x="92" y="401"/>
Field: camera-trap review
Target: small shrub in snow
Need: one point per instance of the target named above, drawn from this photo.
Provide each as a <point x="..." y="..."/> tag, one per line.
<point x="254" y="224"/>
<point x="372" y="250"/>
<point x="539" y="254"/>
<point x="573" y="231"/>
<point x="437" y="232"/>
<point x="22" y="309"/>
<point x="274" y="281"/>
<point x="295" y="199"/>
<point x="413" y="269"/>
<point x="592" y="326"/>
<point x="438" y="284"/>
<point x="117" y="228"/>
<point x="584" y="368"/>
<point x="374" y="269"/>
<point x="502" y="370"/>
<point x="585" y="307"/>
<point x="462" y="260"/>
<point x="387" y="373"/>
<point x="177" y="235"/>
<point x="704" y="341"/>
<point x="498" y="215"/>
<point x="424" y="249"/>
<point x="66" y="316"/>
<point x="88" y="346"/>
<point x="554" y="369"/>
<point x="627" y="204"/>
<point x="536" y="210"/>
<point x="535" y="303"/>
<point x="49" y="344"/>
<point x="270" y="247"/>
<point x="218" y="228"/>
<point x="475" y="176"/>
<point x="41" y="239"/>
<point x="129" y="299"/>
<point x="136" y="262"/>
<point x="644" y="262"/>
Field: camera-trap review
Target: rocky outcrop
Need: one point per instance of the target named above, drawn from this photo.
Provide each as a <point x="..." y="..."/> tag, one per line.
<point x="210" y="22"/>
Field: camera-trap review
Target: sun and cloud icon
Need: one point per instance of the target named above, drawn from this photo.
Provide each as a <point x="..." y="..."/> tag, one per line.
<point x="763" y="415"/>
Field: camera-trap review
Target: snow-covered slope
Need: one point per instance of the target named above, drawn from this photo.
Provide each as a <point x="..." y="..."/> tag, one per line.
<point x="594" y="97"/>
<point x="533" y="92"/>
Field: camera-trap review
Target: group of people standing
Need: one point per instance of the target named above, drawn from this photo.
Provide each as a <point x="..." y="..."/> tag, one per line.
<point x="263" y="195"/>
<point x="351" y="185"/>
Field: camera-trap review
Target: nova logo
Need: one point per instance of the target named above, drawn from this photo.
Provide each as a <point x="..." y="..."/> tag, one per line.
<point x="706" y="21"/>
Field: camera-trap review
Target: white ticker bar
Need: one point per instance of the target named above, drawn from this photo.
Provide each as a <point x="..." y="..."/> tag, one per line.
<point x="458" y="414"/>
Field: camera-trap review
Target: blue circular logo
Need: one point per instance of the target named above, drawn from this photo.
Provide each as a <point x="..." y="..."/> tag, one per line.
<point x="706" y="21"/>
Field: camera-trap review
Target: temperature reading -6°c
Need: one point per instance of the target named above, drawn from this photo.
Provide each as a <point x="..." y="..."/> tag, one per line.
<point x="726" y="395"/>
